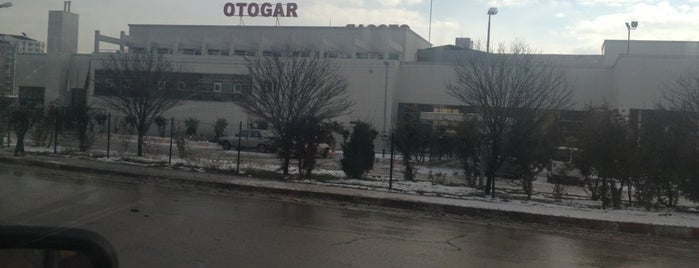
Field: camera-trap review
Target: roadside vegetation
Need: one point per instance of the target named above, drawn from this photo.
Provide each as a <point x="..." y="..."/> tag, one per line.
<point x="512" y="103"/>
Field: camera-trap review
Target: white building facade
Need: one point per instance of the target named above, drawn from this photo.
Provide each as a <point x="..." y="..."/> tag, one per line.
<point x="388" y="64"/>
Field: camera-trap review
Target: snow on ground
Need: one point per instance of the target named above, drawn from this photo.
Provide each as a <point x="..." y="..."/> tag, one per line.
<point x="463" y="196"/>
<point x="578" y="206"/>
<point x="667" y="217"/>
<point x="413" y="187"/>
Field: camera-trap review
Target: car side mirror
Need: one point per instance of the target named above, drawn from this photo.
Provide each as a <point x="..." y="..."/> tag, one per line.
<point x="34" y="246"/>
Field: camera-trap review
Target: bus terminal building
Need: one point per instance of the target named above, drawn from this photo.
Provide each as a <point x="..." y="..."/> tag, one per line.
<point x="388" y="67"/>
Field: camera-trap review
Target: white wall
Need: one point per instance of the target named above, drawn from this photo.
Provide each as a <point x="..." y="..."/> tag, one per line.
<point x="31" y="70"/>
<point x="639" y="79"/>
<point x="63" y="32"/>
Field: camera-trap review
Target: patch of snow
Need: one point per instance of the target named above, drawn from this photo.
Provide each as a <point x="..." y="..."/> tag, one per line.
<point x="418" y="187"/>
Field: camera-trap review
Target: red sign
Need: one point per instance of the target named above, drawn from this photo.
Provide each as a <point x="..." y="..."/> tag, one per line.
<point x="262" y="10"/>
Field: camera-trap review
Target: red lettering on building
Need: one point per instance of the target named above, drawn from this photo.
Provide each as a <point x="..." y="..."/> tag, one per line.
<point x="229" y="9"/>
<point x="291" y="10"/>
<point x="253" y="9"/>
<point x="241" y="7"/>
<point x="264" y="9"/>
<point x="278" y="10"/>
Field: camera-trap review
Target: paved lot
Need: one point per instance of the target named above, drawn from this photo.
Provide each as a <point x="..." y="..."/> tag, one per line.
<point x="154" y="226"/>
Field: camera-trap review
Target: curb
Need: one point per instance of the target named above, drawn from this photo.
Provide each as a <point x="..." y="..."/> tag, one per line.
<point x="525" y="217"/>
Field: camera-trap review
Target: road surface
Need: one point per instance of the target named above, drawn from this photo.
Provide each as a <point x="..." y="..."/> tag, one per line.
<point x="172" y="226"/>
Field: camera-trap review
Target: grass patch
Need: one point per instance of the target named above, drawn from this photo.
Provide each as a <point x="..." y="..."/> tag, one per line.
<point x="144" y="162"/>
<point x="325" y="177"/>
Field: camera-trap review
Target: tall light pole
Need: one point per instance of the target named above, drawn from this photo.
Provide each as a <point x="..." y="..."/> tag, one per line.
<point x="385" y="104"/>
<point x="629" y="27"/>
<point x="491" y="11"/>
<point x="6" y="4"/>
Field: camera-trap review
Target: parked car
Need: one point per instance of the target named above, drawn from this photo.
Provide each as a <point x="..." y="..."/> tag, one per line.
<point x="563" y="170"/>
<point x="322" y="150"/>
<point x="258" y="139"/>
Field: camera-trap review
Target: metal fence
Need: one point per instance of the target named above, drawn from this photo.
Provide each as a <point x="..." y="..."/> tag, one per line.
<point x="440" y="175"/>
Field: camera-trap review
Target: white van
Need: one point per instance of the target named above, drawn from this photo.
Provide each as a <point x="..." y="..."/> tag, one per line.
<point x="563" y="168"/>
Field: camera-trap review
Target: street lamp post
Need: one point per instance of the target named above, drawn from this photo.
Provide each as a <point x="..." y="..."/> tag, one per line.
<point x="491" y="11"/>
<point x="6" y="4"/>
<point x="385" y="104"/>
<point x="629" y="27"/>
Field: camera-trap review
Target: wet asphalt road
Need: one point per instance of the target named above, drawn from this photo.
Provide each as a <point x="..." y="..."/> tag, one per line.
<point x="154" y="226"/>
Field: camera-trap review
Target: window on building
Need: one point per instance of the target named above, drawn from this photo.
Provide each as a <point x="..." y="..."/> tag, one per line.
<point x="164" y="51"/>
<point x="446" y="110"/>
<point x="375" y="55"/>
<point x="191" y="51"/>
<point x="32" y="96"/>
<point x="237" y="88"/>
<point x="78" y="97"/>
<point x="217" y="52"/>
<point x="218" y="87"/>
<point x="331" y="54"/>
<point x="137" y="50"/>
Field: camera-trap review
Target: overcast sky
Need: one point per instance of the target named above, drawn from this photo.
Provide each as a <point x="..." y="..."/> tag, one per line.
<point x="551" y="26"/>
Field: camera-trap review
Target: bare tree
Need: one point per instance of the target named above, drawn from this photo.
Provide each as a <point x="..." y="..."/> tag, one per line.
<point x="21" y="119"/>
<point x="511" y="92"/>
<point x="682" y="94"/>
<point x="294" y="88"/>
<point x="140" y="89"/>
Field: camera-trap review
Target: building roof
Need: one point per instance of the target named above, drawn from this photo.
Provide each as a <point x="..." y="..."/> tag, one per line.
<point x="19" y="37"/>
<point x="358" y="27"/>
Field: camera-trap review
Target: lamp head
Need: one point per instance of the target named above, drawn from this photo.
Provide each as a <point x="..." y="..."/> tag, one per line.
<point x="493" y="11"/>
<point x="632" y="26"/>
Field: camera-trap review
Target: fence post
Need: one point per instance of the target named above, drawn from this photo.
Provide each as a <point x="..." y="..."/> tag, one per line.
<point x="109" y="132"/>
<point x="55" y="133"/>
<point x="9" y="133"/>
<point x="172" y="133"/>
<point x="237" y="165"/>
<point x="492" y="188"/>
<point x="390" y="170"/>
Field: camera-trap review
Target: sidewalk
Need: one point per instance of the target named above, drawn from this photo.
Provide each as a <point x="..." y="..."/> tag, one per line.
<point x="673" y="224"/>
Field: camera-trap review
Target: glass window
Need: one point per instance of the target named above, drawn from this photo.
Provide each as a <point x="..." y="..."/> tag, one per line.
<point x="32" y="96"/>
<point x="78" y="97"/>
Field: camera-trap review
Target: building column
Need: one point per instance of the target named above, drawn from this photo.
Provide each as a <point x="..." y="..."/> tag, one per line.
<point x="122" y="41"/>
<point x="97" y="41"/>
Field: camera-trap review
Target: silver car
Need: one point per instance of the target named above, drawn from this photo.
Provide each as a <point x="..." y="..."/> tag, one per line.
<point x="261" y="140"/>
